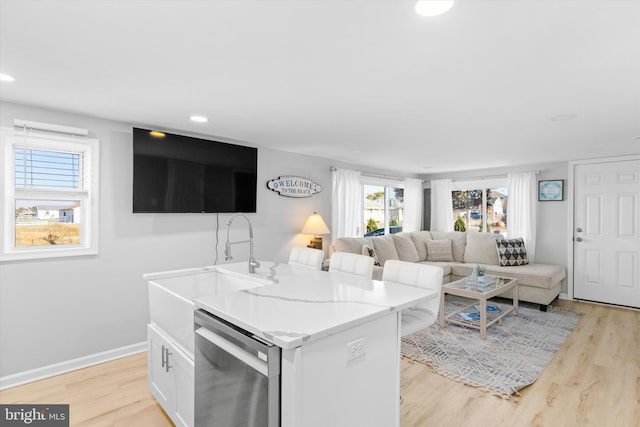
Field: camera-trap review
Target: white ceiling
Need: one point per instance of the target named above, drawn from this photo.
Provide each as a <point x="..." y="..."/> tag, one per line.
<point x="365" y="82"/>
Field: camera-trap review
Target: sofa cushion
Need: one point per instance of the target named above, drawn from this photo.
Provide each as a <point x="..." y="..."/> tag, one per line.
<point x="458" y="242"/>
<point x="404" y="246"/>
<point x="480" y="248"/>
<point x="512" y="252"/>
<point x="536" y="275"/>
<point x="446" y="267"/>
<point x="439" y="250"/>
<point x="461" y="269"/>
<point x="377" y="272"/>
<point x="420" y="241"/>
<point x="385" y="248"/>
<point x="352" y="244"/>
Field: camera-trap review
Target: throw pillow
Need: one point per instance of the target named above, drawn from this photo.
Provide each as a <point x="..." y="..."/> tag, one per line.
<point x="368" y="251"/>
<point x="439" y="250"/>
<point x="512" y="252"/>
<point x="458" y="242"/>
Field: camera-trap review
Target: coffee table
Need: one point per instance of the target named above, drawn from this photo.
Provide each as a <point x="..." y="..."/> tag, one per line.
<point x="481" y="291"/>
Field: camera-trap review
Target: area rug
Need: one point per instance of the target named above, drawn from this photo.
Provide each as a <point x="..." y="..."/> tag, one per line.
<point x="512" y="357"/>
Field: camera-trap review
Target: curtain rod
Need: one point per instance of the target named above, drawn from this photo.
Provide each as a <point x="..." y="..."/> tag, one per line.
<point x="472" y="178"/>
<point x="371" y="175"/>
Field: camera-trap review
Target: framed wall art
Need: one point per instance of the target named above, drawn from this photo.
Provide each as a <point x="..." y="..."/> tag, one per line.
<point x="551" y="190"/>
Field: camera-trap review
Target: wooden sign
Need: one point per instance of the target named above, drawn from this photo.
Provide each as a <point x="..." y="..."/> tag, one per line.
<point x="294" y="186"/>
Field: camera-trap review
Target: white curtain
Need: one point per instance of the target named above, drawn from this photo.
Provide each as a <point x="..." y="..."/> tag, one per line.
<point x="521" y="210"/>
<point x="346" y="207"/>
<point x="441" y="205"/>
<point x="412" y="210"/>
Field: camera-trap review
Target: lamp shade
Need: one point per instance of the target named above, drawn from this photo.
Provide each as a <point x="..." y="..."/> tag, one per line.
<point x="315" y="225"/>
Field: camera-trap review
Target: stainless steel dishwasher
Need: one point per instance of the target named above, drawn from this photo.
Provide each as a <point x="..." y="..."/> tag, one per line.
<point x="237" y="376"/>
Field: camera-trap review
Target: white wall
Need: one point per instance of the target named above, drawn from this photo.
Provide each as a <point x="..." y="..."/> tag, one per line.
<point x="60" y="309"/>
<point x="553" y="221"/>
<point x="553" y="217"/>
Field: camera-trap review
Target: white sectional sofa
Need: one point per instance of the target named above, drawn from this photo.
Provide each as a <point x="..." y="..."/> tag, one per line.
<point x="458" y="253"/>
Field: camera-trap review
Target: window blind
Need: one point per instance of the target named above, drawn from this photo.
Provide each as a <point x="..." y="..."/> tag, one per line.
<point x="46" y="169"/>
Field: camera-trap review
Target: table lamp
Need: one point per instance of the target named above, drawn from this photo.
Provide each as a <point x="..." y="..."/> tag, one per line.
<point x="315" y="225"/>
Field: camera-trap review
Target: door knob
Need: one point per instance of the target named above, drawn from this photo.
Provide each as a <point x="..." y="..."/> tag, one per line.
<point x="578" y="239"/>
<point x="579" y="230"/>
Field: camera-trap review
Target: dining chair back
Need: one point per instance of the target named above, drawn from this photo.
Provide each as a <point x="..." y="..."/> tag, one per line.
<point x="347" y="262"/>
<point x="306" y="257"/>
<point x="419" y="275"/>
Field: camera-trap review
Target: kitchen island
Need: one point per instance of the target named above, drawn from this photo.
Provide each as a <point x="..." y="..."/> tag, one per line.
<point x="338" y="334"/>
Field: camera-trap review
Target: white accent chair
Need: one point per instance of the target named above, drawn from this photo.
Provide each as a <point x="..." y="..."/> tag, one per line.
<point x="306" y="257"/>
<point x="347" y="262"/>
<point x="419" y="275"/>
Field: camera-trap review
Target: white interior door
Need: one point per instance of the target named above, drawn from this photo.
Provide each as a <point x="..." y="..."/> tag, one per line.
<point x="606" y="246"/>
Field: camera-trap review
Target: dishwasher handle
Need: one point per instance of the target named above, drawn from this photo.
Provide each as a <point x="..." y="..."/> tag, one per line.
<point x="222" y="327"/>
<point x="250" y="359"/>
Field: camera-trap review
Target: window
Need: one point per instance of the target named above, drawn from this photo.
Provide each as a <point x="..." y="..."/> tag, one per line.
<point x="480" y="206"/>
<point x="383" y="208"/>
<point x="50" y="198"/>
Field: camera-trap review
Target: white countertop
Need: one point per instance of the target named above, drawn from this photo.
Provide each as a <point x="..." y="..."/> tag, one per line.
<point x="304" y="304"/>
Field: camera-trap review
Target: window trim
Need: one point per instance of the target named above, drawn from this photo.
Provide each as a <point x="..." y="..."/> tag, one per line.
<point x="88" y="195"/>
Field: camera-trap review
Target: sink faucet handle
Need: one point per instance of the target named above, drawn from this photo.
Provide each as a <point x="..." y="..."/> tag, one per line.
<point x="253" y="264"/>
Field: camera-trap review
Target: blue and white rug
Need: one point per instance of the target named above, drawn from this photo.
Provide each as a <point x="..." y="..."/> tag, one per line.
<point x="512" y="357"/>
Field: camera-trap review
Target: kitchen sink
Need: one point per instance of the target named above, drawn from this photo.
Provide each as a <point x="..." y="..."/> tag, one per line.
<point x="171" y="296"/>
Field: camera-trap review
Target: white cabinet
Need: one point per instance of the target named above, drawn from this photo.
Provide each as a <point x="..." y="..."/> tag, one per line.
<point x="161" y="374"/>
<point x="185" y="387"/>
<point x="351" y="378"/>
<point x="170" y="377"/>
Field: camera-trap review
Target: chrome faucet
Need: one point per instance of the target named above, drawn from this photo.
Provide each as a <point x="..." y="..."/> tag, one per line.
<point x="253" y="264"/>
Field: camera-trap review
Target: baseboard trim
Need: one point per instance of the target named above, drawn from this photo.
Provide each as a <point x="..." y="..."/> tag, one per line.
<point x="563" y="296"/>
<point x="25" y="377"/>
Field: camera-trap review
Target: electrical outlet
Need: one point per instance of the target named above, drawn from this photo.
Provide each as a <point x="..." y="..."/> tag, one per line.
<point x="356" y="348"/>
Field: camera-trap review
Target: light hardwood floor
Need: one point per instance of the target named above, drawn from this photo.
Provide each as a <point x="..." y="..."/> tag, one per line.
<point x="594" y="380"/>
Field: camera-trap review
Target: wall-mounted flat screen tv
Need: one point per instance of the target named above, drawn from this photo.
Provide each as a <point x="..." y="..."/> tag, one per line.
<point x="179" y="174"/>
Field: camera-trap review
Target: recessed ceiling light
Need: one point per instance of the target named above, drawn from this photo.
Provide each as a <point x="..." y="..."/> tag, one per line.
<point x="157" y="134"/>
<point x="433" y="7"/>
<point x="563" y="117"/>
<point x="6" y="78"/>
<point x="199" y="119"/>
